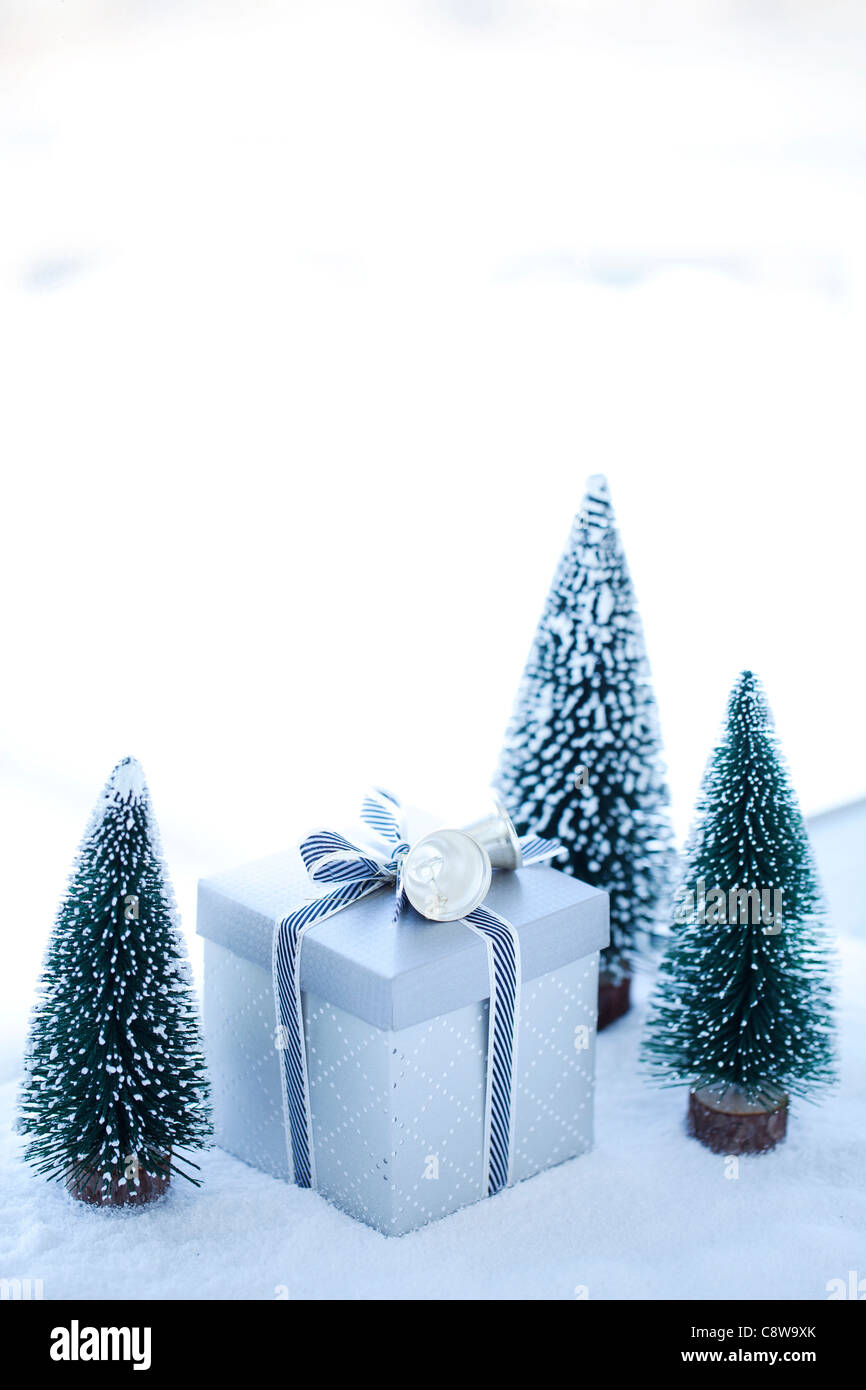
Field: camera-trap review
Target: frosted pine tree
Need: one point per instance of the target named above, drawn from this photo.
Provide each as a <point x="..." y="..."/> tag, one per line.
<point x="115" y="1089"/>
<point x="742" y="1008"/>
<point x="582" y="758"/>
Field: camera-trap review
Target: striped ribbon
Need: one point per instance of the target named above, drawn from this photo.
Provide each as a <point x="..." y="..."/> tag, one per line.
<point x="330" y="858"/>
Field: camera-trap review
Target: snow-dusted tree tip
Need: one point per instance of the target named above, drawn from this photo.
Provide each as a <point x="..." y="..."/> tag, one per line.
<point x="126" y="782"/>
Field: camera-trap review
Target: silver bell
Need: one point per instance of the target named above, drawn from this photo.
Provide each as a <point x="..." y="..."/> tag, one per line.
<point x="496" y="834"/>
<point x="446" y="874"/>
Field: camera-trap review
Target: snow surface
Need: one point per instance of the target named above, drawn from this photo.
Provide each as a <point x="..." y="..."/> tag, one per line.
<point x="648" y="1214"/>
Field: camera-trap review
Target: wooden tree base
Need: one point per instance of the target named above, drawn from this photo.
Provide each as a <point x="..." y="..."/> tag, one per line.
<point x="119" y="1193"/>
<point x="726" y="1122"/>
<point x="614" y="999"/>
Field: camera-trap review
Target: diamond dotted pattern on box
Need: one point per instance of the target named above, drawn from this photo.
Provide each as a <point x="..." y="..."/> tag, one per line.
<point x="438" y="1084"/>
<point x="243" y="1061"/>
<point x="555" y="1067"/>
<point x="398" y="1115"/>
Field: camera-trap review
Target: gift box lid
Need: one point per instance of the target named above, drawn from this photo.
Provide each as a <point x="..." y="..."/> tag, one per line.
<point x="396" y="975"/>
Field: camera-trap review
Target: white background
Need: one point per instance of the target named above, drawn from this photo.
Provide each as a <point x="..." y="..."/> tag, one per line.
<point x="314" y="320"/>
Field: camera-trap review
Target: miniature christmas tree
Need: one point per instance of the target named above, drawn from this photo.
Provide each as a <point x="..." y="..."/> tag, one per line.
<point x="582" y="759"/>
<point x="742" y="1006"/>
<point x="115" y="1086"/>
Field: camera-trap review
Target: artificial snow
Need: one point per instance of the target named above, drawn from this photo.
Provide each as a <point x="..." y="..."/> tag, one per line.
<point x="649" y="1213"/>
<point x="127" y="782"/>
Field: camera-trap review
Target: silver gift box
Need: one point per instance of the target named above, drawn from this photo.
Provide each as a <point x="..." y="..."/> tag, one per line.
<point x="396" y="1034"/>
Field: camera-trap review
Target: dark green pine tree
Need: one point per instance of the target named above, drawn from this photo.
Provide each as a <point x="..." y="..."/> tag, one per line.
<point x="582" y="759"/>
<point x="115" y="1080"/>
<point x="743" y="997"/>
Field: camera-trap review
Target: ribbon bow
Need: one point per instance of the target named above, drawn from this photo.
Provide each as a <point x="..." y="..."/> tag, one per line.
<point x="330" y="858"/>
